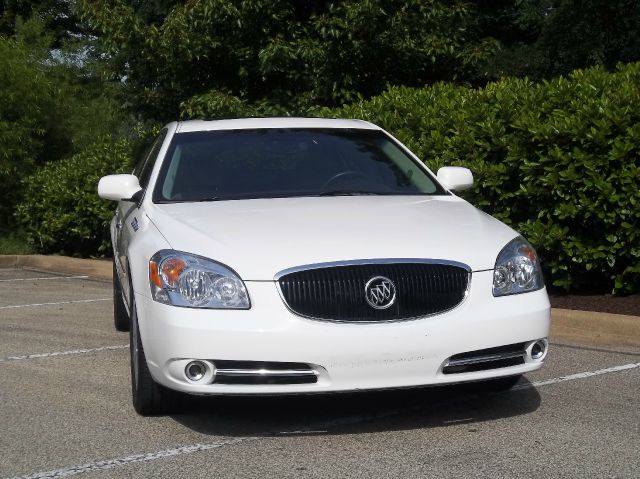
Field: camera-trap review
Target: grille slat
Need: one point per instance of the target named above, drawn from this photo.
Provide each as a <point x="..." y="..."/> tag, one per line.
<point x="337" y="292"/>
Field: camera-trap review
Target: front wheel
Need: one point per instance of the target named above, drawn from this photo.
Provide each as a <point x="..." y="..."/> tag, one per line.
<point x="148" y="396"/>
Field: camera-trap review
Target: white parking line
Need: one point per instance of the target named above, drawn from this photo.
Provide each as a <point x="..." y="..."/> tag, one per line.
<point x="63" y="353"/>
<point x="42" y="278"/>
<point x="584" y="375"/>
<point x="55" y="303"/>
<point x="136" y="458"/>
<point x="179" y="451"/>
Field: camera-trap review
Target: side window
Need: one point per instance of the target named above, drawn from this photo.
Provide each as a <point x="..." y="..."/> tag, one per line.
<point x="145" y="166"/>
<point x="141" y="159"/>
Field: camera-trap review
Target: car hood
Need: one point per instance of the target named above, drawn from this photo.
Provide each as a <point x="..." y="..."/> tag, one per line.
<point x="261" y="237"/>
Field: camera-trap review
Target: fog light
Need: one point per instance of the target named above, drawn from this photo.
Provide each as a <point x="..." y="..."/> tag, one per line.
<point x="538" y="349"/>
<point x="195" y="370"/>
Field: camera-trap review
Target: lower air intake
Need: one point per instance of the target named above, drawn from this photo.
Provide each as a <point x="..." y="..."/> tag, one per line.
<point x="486" y="359"/>
<point x="263" y="372"/>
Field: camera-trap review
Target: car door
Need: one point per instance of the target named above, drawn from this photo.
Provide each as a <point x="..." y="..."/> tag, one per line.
<point x="127" y="213"/>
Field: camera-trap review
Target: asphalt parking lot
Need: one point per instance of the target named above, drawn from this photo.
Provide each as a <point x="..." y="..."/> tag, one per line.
<point x="65" y="410"/>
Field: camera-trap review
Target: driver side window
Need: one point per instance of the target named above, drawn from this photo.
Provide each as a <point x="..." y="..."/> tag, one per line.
<point x="147" y="160"/>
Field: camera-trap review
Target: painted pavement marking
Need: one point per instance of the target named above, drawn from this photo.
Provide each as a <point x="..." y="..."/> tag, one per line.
<point x="193" y="448"/>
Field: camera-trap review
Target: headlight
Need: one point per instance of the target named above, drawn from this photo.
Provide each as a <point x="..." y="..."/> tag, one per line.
<point x="517" y="269"/>
<point x="182" y="279"/>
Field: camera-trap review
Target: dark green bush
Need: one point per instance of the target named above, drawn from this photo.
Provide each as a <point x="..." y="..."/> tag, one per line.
<point x="61" y="211"/>
<point x="559" y="161"/>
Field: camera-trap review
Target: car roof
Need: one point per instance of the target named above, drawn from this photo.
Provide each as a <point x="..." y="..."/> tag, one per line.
<point x="259" y="123"/>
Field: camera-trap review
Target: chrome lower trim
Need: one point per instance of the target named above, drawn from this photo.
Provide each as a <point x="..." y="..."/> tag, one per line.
<point x="485" y="359"/>
<point x="266" y="372"/>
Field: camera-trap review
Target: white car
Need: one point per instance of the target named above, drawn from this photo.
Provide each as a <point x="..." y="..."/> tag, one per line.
<point x="299" y="255"/>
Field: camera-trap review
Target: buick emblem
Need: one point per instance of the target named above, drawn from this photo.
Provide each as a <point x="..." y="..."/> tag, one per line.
<point x="380" y="292"/>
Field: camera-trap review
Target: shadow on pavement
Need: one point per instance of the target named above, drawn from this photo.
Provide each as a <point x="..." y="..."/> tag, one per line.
<point x="353" y="413"/>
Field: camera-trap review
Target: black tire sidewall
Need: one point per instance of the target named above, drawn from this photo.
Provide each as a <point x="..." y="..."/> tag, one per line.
<point x="121" y="319"/>
<point x="148" y="396"/>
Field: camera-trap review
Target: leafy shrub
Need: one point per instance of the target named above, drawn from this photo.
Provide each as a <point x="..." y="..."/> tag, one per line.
<point x="61" y="211"/>
<point x="558" y="160"/>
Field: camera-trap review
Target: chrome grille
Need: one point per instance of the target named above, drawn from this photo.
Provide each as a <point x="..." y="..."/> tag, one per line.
<point x="337" y="292"/>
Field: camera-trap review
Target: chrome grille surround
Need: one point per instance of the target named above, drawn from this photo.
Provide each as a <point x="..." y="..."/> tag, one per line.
<point x="460" y="273"/>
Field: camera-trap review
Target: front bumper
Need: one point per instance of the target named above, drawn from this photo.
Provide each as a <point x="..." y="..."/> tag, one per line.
<point x="346" y="356"/>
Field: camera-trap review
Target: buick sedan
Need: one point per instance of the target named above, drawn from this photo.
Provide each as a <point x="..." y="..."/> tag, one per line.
<point x="299" y="255"/>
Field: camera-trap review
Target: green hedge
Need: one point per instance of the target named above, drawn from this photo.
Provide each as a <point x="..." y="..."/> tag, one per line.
<point x="61" y="211"/>
<point x="559" y="161"/>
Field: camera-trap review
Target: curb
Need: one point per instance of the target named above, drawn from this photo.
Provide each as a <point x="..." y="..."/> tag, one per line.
<point x="96" y="268"/>
<point x="595" y="329"/>
<point x="577" y="328"/>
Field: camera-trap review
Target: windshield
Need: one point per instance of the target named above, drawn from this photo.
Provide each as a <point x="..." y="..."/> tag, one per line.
<point x="275" y="163"/>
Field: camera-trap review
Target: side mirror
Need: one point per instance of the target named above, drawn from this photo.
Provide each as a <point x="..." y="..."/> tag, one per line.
<point x="455" y="178"/>
<point x="119" y="187"/>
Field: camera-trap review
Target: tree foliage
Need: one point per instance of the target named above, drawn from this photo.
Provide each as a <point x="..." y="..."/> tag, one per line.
<point x="58" y="17"/>
<point x="25" y="100"/>
<point x="263" y="57"/>
<point x="283" y="54"/>
<point x="547" y="38"/>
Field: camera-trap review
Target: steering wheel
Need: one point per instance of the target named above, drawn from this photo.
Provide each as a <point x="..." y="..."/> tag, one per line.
<point x="342" y="176"/>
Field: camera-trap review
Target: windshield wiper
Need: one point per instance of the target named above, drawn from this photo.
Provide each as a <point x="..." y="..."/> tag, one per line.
<point x="208" y="198"/>
<point x="348" y="193"/>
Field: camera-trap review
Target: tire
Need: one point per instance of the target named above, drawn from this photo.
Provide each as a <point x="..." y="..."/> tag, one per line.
<point x="149" y="397"/>
<point x="121" y="318"/>
<point x="500" y="384"/>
